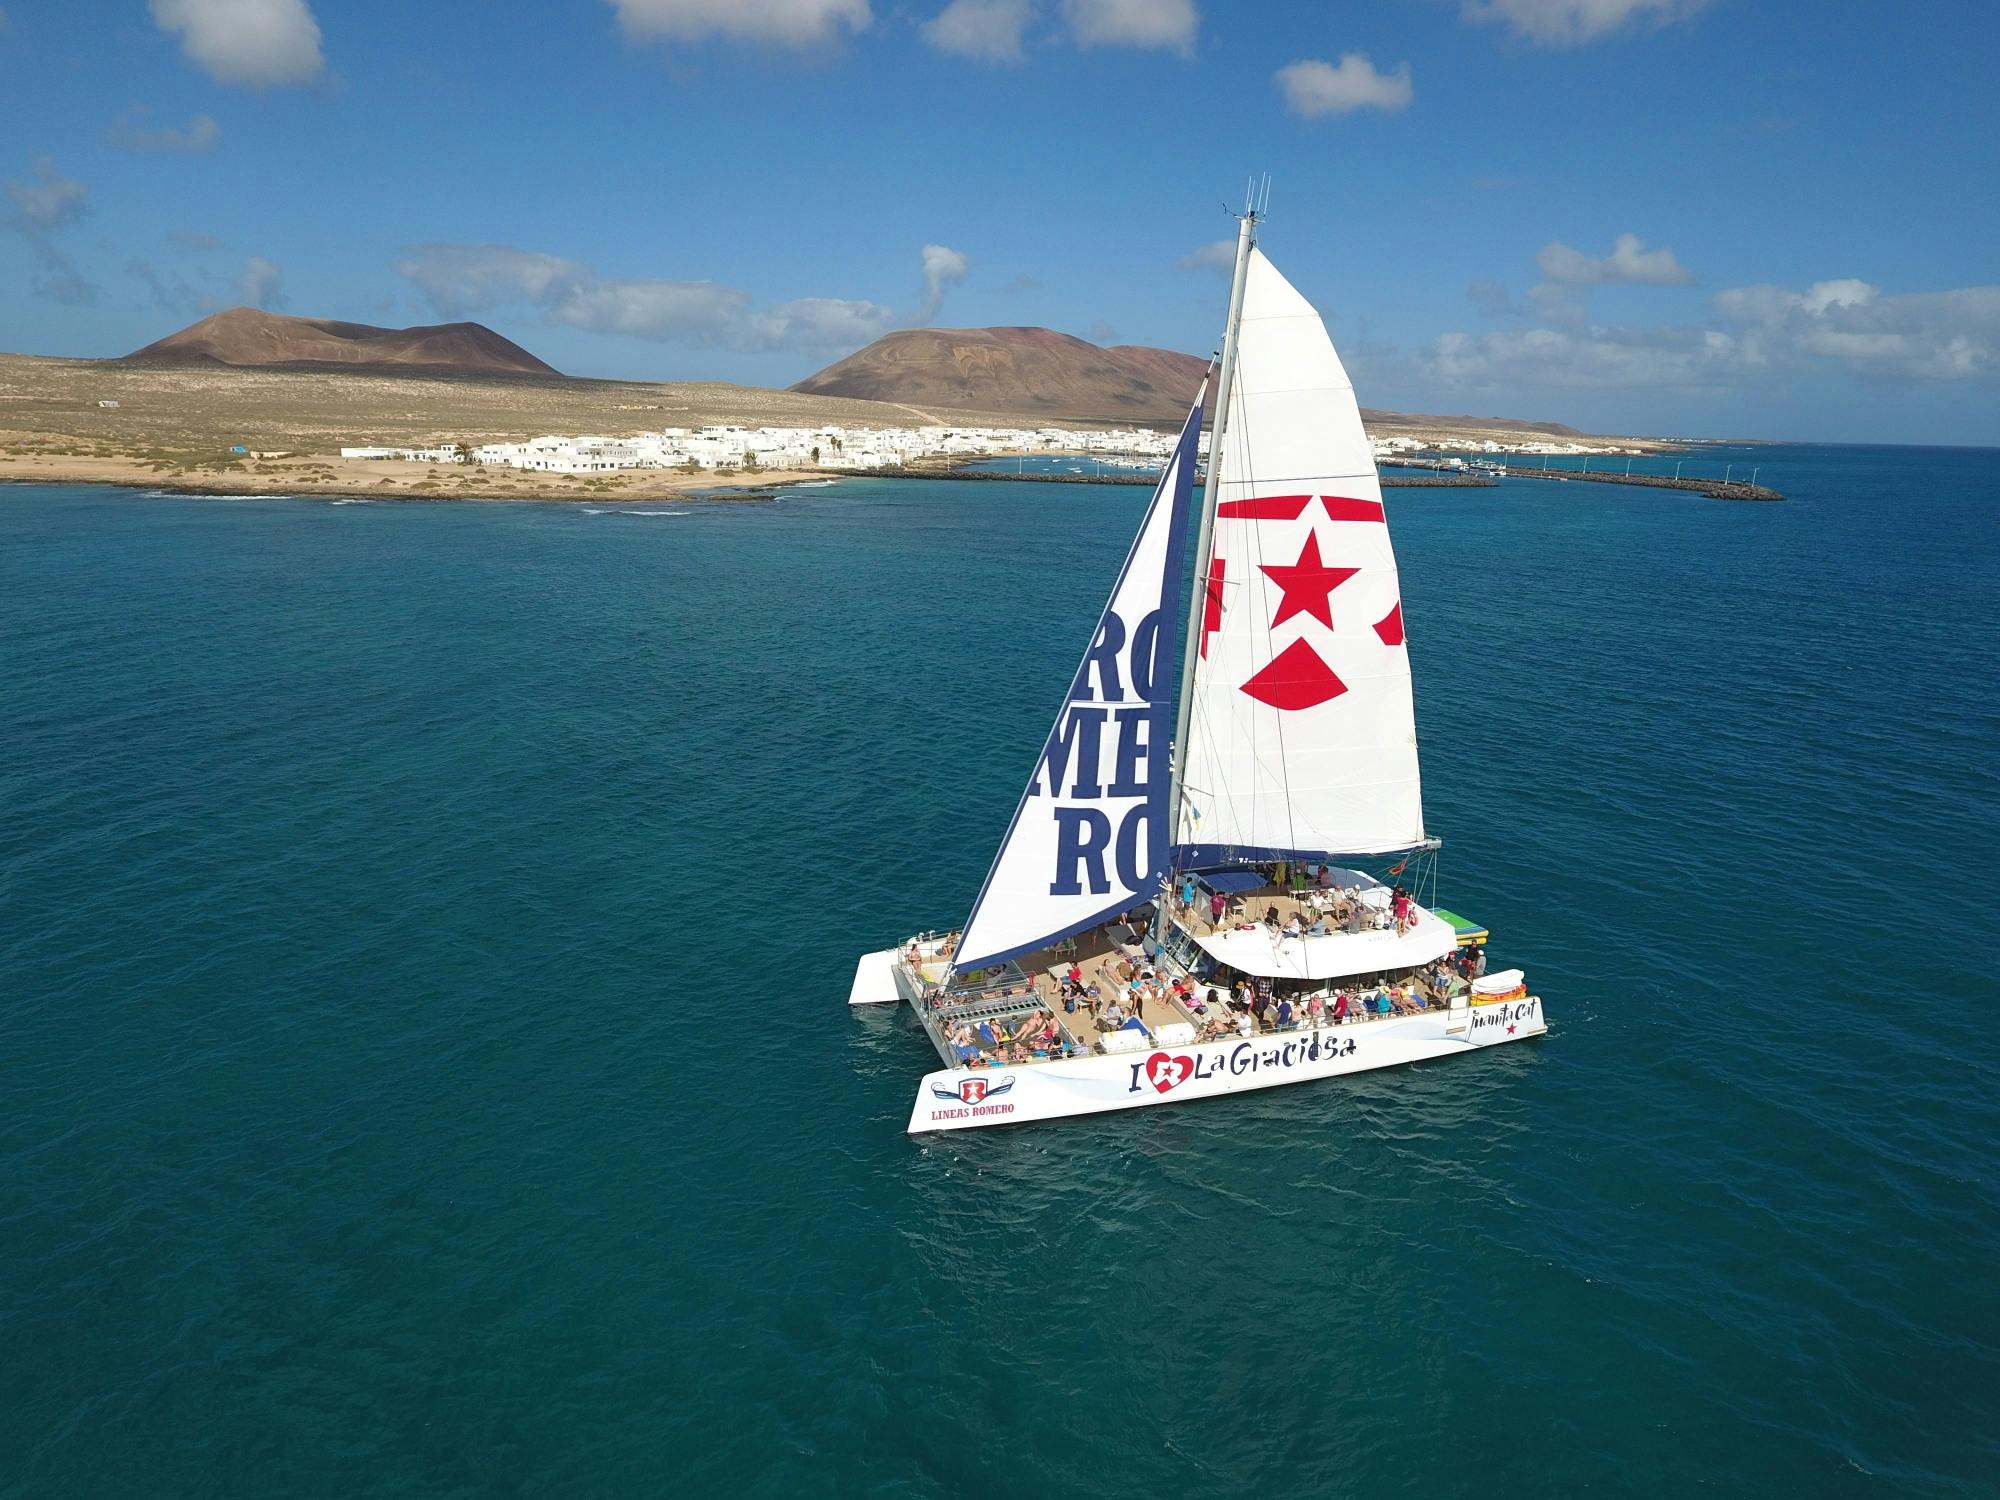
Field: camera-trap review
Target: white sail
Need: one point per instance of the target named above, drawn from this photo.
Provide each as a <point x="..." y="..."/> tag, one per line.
<point x="1090" y="837"/>
<point x="1302" y="736"/>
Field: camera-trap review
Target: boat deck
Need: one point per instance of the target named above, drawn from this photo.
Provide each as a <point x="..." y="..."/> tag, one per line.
<point x="1108" y="957"/>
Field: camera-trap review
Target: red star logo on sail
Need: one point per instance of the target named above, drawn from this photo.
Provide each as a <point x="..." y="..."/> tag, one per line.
<point x="1308" y="586"/>
<point x="1296" y="678"/>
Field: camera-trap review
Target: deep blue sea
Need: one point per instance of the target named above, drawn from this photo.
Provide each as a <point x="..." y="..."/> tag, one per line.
<point x="425" y="1066"/>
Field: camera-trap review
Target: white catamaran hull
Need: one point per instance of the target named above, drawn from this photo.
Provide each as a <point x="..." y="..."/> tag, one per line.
<point x="965" y="1099"/>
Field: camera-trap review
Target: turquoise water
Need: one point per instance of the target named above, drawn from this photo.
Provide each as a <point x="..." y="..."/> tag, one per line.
<point x="425" y="934"/>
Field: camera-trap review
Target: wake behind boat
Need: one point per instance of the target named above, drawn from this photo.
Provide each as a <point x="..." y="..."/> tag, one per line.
<point x="1227" y="886"/>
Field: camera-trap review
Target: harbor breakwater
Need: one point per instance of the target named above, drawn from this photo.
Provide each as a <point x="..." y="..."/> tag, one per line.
<point x="1441" y="480"/>
<point x="1715" y="489"/>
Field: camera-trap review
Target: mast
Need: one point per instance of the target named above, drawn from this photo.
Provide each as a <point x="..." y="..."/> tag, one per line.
<point x="1246" y="236"/>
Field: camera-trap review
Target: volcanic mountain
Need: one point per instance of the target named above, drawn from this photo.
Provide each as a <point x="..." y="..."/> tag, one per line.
<point x="1016" y="370"/>
<point x="246" y="336"/>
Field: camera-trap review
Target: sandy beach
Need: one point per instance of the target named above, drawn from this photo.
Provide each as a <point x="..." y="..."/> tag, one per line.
<point x="393" y="479"/>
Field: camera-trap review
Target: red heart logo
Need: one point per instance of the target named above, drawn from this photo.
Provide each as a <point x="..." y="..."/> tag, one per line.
<point x="1165" y="1071"/>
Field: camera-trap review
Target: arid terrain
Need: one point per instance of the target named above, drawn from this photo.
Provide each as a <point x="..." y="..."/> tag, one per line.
<point x="248" y="336"/>
<point x="175" y="424"/>
<point x="1035" y="371"/>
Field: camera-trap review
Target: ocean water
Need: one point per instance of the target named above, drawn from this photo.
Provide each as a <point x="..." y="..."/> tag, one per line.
<point x="425" y="1068"/>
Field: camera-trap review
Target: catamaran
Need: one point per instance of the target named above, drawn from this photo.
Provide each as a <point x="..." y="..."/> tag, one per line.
<point x="1222" y="883"/>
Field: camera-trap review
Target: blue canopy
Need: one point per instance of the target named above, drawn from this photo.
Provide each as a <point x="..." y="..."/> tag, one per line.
<point x="1234" y="882"/>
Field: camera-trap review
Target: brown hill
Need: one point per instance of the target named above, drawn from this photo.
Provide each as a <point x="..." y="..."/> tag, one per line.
<point x="246" y="336"/>
<point x="1025" y="370"/>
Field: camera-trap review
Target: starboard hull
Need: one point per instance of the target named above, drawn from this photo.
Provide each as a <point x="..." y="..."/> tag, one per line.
<point x="968" y="1099"/>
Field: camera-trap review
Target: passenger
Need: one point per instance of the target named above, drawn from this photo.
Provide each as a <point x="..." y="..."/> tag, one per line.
<point x="962" y="1044"/>
<point x="1244" y="1026"/>
<point x="1270" y="916"/>
<point x="1187" y="894"/>
<point x="1075" y="975"/>
<point x="1340" y="1006"/>
<point x="1285" y="1014"/>
<point x="1316" y="1009"/>
<point x="1325" y="877"/>
<point x="1292" y="928"/>
<point x="1217" y="905"/>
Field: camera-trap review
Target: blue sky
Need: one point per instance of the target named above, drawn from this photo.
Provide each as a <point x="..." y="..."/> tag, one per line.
<point x="1730" y="218"/>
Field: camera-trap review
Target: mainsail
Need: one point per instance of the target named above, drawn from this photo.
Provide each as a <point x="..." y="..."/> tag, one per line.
<point x="1302" y="734"/>
<point x="1090" y="837"/>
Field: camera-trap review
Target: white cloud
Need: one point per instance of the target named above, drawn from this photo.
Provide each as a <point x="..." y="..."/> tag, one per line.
<point x="1132" y="23"/>
<point x="1628" y="261"/>
<point x="257" y="43"/>
<point x="943" y="267"/>
<point x="1511" y="359"/>
<point x="48" y="200"/>
<point x="821" y="323"/>
<point x="1217" y="255"/>
<point x="170" y="290"/>
<point x="1844" y="326"/>
<point x="696" y="312"/>
<point x="460" y="280"/>
<point x="261" y="284"/>
<point x="1569" y="23"/>
<point x="1950" y="335"/>
<point x="198" y="136"/>
<point x="60" y="279"/>
<point x="1313" y="88"/>
<point x="988" y="30"/>
<point x="43" y="206"/>
<point x="779" y="23"/>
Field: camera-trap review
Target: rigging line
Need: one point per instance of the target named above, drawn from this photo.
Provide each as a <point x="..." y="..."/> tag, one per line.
<point x="1271" y="653"/>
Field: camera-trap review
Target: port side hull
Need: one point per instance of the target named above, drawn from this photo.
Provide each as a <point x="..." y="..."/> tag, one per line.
<point x="967" y="1099"/>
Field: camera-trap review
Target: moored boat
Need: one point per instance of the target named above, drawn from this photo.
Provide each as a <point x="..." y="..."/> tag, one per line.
<point x="1219" y="879"/>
